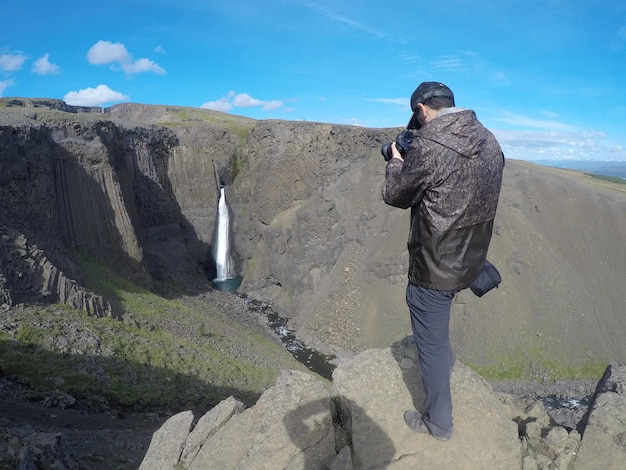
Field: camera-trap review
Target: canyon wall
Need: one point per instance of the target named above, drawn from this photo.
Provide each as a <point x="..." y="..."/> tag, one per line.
<point x="135" y="187"/>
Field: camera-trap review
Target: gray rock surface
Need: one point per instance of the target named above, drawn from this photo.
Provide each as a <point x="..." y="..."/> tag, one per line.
<point x="168" y="442"/>
<point x="604" y="439"/>
<point x="297" y="425"/>
<point x="206" y="427"/>
<point x="290" y="427"/>
<point x="377" y="386"/>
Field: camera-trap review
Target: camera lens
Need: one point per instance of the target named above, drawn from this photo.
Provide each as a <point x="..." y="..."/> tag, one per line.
<point x="386" y="151"/>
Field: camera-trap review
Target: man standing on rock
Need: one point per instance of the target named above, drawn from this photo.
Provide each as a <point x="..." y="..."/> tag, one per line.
<point x="449" y="173"/>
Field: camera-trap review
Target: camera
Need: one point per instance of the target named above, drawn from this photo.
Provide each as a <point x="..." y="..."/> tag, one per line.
<point x="403" y="140"/>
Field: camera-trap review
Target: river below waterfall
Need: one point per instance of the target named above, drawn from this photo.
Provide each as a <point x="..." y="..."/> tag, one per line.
<point x="566" y="402"/>
<point x="226" y="280"/>
<point x="313" y="360"/>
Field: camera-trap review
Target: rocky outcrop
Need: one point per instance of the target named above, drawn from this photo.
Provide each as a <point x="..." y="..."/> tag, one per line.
<point x="30" y="449"/>
<point x="302" y="424"/>
<point x="604" y="443"/>
<point x="92" y="186"/>
<point x="28" y="276"/>
<point x="51" y="104"/>
<point x="290" y="427"/>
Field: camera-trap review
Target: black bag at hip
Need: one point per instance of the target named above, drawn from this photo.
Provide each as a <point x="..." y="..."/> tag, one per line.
<point x="487" y="279"/>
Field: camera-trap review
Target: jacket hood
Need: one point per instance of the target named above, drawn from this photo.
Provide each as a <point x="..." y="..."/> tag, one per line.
<point x="463" y="132"/>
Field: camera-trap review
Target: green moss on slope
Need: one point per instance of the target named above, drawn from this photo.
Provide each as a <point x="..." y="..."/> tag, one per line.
<point x="536" y="367"/>
<point x="165" y="353"/>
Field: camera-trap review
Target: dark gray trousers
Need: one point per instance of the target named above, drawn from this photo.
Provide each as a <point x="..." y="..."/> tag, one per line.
<point x="430" y="320"/>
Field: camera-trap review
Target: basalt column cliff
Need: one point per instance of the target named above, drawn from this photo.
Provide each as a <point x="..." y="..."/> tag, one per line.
<point x="134" y="187"/>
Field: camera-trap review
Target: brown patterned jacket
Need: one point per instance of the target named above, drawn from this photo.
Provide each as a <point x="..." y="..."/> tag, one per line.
<point x="450" y="178"/>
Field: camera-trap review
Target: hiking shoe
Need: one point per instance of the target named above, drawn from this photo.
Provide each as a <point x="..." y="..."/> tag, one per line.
<point x="414" y="420"/>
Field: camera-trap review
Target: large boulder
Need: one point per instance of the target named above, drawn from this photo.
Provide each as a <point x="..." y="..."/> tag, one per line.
<point x="290" y="427"/>
<point x="168" y="442"/>
<point x="604" y="439"/>
<point x="379" y="385"/>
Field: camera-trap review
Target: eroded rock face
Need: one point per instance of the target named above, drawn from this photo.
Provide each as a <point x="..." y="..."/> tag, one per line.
<point x="28" y="276"/>
<point x="136" y="188"/>
<point x="604" y="438"/>
<point x="94" y="187"/>
<point x="290" y="427"/>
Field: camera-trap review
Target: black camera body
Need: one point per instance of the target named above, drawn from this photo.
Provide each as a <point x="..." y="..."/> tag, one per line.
<point x="403" y="140"/>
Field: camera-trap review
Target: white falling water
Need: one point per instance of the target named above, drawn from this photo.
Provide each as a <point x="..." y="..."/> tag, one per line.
<point x="221" y="248"/>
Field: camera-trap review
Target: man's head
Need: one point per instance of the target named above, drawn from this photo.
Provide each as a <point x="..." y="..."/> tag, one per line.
<point x="433" y="95"/>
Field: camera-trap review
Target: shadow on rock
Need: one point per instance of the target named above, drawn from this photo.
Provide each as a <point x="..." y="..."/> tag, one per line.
<point x="406" y="355"/>
<point x="307" y="430"/>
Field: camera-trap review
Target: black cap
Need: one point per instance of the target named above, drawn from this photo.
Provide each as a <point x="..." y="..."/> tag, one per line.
<point x="422" y="93"/>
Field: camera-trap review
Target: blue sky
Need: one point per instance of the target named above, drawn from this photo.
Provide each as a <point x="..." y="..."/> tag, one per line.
<point x="546" y="76"/>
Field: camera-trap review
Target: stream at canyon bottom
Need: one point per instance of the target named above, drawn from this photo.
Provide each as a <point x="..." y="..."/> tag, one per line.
<point x="313" y="360"/>
<point x="323" y="364"/>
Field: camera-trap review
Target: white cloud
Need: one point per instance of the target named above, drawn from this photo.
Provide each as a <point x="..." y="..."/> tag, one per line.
<point x="11" y="62"/>
<point x="545" y="137"/>
<point x="223" y="104"/>
<point x="554" y="145"/>
<point x="241" y="100"/>
<point x="448" y="62"/>
<point x="142" y="65"/>
<point x="43" y="66"/>
<point x="4" y="85"/>
<point x="274" y="104"/>
<point x="93" y="96"/>
<point x="106" y="52"/>
<point x="549" y="124"/>
<point x="332" y="15"/>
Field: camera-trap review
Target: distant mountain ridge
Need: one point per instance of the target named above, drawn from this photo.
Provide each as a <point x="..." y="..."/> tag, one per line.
<point x="600" y="167"/>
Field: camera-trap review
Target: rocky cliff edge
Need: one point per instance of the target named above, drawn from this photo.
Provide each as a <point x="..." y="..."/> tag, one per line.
<point x="357" y="424"/>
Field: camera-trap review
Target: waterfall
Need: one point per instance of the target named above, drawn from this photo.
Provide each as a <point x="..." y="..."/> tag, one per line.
<point x="221" y="248"/>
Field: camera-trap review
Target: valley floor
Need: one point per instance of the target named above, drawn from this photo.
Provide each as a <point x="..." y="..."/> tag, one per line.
<point x="80" y="439"/>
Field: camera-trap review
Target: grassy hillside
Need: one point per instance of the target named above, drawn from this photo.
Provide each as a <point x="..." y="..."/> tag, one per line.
<point x="558" y="244"/>
<point x="172" y="352"/>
